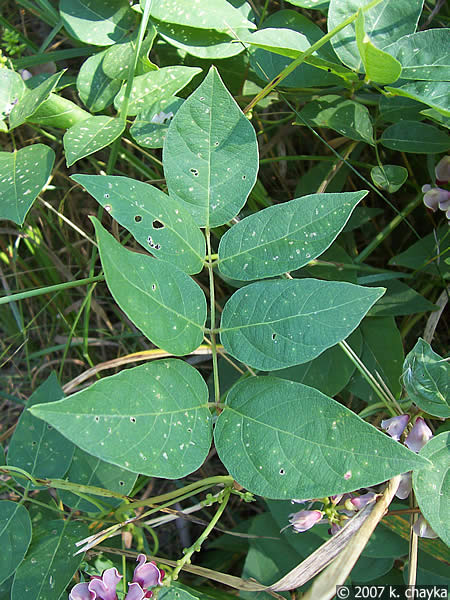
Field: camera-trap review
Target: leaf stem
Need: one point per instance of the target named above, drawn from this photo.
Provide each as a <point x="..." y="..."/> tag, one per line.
<point x="49" y="289"/>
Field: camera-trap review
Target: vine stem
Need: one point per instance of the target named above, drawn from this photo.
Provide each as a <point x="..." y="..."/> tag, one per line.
<point x="197" y="546"/>
<point x="212" y="318"/>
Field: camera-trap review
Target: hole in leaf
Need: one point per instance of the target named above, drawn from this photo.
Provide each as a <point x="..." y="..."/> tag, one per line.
<point x="133" y="419"/>
<point x="105" y="195"/>
<point x="33" y="443"/>
<point x="153" y="286"/>
<point x="108" y="207"/>
<point x="274" y="335"/>
<point x="244" y="176"/>
<point x="122" y="483"/>
<point x="282" y="472"/>
<point x="96" y="419"/>
<point x="194" y="172"/>
<point x="157" y="224"/>
<point x="216" y="143"/>
<point x="137" y="218"/>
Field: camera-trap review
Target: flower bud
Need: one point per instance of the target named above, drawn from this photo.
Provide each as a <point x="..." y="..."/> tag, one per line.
<point x="395" y="426"/>
<point x="419" y="435"/>
<point x="422" y="528"/>
<point x="442" y="171"/>
<point x="305" y="519"/>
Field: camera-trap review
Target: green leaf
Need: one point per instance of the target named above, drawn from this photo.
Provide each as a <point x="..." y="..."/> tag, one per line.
<point x="399" y="299"/>
<point x="15" y="536"/>
<point x="426" y="254"/>
<point x="119" y="57"/>
<point x="154" y="86"/>
<point x="59" y="112"/>
<point x="218" y="14"/>
<point x="434" y="115"/>
<point x="96" y="89"/>
<point x="423" y="55"/>
<point x="378" y="65"/>
<point x="210" y="154"/>
<point x="398" y="108"/>
<point x="208" y="44"/>
<point x="91" y="135"/>
<point x="162" y="301"/>
<point x="50" y="563"/>
<point x="281" y="439"/>
<point x="23" y="174"/>
<point x="98" y="22"/>
<point x="152" y="419"/>
<point x="321" y="5"/>
<point x="415" y="137"/>
<point x="426" y="377"/>
<point x="284" y="237"/>
<point x="367" y="569"/>
<point x="275" y="324"/>
<point x="36" y="447"/>
<point x="12" y="89"/>
<point x="89" y="470"/>
<point x="389" y="178"/>
<point x="330" y="372"/>
<point x="350" y="119"/>
<point x="175" y="593"/>
<point x="432" y="93"/>
<point x="159" y="223"/>
<point x="432" y="485"/>
<point x="32" y="99"/>
<point x="2" y="456"/>
<point x="150" y="126"/>
<point x="385" y="23"/>
<point x="382" y="353"/>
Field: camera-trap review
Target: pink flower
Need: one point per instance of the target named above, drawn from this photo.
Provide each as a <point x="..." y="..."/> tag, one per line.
<point x="405" y="486"/>
<point x="422" y="528"/>
<point x="395" y="426"/>
<point x="435" y="198"/>
<point x="104" y="587"/>
<point x="147" y="575"/>
<point x="81" y="592"/>
<point x="361" y="501"/>
<point x="305" y="519"/>
<point x="419" y="435"/>
<point x="442" y="171"/>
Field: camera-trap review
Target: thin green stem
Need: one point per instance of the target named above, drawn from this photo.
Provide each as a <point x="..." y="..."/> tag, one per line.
<point x="51" y="289"/>
<point x="212" y="317"/>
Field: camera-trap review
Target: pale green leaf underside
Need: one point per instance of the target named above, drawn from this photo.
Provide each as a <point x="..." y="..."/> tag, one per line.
<point x="35" y="447"/>
<point x="150" y="127"/>
<point x="91" y="135"/>
<point x="415" y="137"/>
<point x="281" y="439"/>
<point x="426" y="379"/>
<point x="284" y="237"/>
<point x="279" y="323"/>
<point x="384" y="23"/>
<point x="432" y="485"/>
<point x="423" y="55"/>
<point x="50" y="563"/>
<point x="90" y="470"/>
<point x="159" y="223"/>
<point x="210" y="154"/>
<point x="23" y="174"/>
<point x="161" y="300"/>
<point x="15" y="536"/>
<point x="32" y="99"/>
<point x="153" y="419"/>
<point x="99" y="22"/>
<point x="433" y="93"/>
<point x="96" y="89"/>
<point x="216" y="14"/>
<point x="348" y="118"/>
<point x="154" y="86"/>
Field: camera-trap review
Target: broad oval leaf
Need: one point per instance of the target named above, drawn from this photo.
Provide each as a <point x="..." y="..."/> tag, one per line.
<point x="161" y="300"/>
<point x="432" y="485"/>
<point x="275" y="324"/>
<point x="150" y="127"/>
<point x="32" y="99"/>
<point x="385" y="23"/>
<point x="218" y="14"/>
<point x="350" y="119"/>
<point x="12" y="89"/>
<point x="210" y="154"/>
<point x="95" y="88"/>
<point x="86" y="469"/>
<point x="159" y="223"/>
<point x="152" y="419"/>
<point x="23" y="174"/>
<point x="50" y="562"/>
<point x="389" y="178"/>
<point x="415" y="137"/>
<point x="426" y="378"/>
<point x="281" y="439"/>
<point x="15" y="536"/>
<point x="154" y="86"/>
<point x="423" y="55"/>
<point x="98" y="22"/>
<point x="91" y="135"/>
<point x="284" y="237"/>
<point x="35" y="446"/>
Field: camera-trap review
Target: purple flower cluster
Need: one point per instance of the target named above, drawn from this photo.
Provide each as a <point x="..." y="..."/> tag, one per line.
<point x="436" y="197"/>
<point x="146" y="575"/>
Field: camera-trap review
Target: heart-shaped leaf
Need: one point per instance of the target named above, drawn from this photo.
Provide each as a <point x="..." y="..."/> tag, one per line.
<point x="91" y="135"/>
<point x="15" y="536"/>
<point x="153" y="419"/>
<point x="432" y="485"/>
<point x="162" y="301"/>
<point x="23" y="174"/>
<point x="159" y="223"/>
<point x="281" y="439"/>
<point x="275" y="324"/>
<point x="284" y="237"/>
<point x="210" y="154"/>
